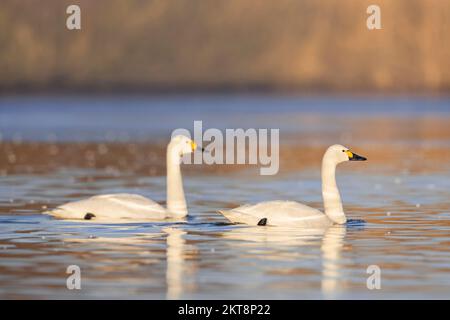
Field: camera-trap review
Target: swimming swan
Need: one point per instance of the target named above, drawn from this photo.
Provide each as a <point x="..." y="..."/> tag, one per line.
<point x="290" y="213"/>
<point x="132" y="206"/>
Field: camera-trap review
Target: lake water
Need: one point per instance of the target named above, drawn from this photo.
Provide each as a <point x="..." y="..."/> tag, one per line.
<point x="397" y="202"/>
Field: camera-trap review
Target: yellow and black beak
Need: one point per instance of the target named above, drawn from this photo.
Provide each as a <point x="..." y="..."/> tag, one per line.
<point x="194" y="147"/>
<point x="354" y="157"/>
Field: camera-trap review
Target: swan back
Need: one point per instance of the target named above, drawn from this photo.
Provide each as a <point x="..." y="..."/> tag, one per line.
<point x="277" y="213"/>
<point x="112" y="207"/>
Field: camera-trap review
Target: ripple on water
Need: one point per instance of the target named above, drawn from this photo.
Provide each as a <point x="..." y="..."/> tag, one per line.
<point x="206" y="257"/>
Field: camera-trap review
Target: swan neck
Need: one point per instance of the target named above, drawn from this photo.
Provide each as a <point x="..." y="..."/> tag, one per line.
<point x="176" y="202"/>
<point x="331" y="198"/>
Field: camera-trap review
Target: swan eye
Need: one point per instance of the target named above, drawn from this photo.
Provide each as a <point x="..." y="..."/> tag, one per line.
<point x="343" y="150"/>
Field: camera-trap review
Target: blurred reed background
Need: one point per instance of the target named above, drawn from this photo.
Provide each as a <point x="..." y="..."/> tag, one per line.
<point x="225" y="45"/>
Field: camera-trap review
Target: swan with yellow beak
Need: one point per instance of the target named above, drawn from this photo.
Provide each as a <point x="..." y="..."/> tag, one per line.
<point x="291" y="213"/>
<point x="132" y="207"/>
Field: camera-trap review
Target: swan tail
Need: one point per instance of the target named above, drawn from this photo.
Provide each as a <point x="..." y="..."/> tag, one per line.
<point x="262" y="222"/>
<point x="241" y="217"/>
<point x="62" y="213"/>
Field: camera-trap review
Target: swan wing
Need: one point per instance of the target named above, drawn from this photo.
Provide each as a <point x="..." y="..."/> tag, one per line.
<point x="277" y="213"/>
<point x="111" y="207"/>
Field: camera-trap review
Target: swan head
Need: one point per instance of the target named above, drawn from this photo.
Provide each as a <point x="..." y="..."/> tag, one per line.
<point x="183" y="144"/>
<point x="338" y="154"/>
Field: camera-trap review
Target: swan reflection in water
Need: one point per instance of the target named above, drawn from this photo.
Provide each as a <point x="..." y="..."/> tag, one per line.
<point x="176" y="264"/>
<point x="180" y="256"/>
<point x="332" y="245"/>
<point x="176" y="254"/>
<point x="276" y="238"/>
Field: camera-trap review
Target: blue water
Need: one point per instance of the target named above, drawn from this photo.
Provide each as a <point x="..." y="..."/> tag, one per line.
<point x="205" y="257"/>
<point x="406" y="212"/>
<point x="127" y="118"/>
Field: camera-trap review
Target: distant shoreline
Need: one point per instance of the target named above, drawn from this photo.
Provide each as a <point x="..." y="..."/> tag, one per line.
<point x="188" y="90"/>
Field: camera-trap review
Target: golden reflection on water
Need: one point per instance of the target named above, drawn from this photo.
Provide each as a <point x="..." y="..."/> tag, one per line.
<point x="175" y="269"/>
<point x="332" y="244"/>
<point x="411" y="144"/>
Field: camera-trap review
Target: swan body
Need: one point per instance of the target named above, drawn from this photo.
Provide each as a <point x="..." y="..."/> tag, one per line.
<point x="277" y="213"/>
<point x="290" y="213"/>
<point x="119" y="207"/>
<point x="112" y="207"/>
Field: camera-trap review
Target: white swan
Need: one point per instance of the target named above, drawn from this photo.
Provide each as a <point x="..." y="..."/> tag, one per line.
<point x="290" y="213"/>
<point x="120" y="207"/>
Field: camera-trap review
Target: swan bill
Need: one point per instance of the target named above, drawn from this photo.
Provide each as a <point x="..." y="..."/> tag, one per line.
<point x="355" y="157"/>
<point x="193" y="146"/>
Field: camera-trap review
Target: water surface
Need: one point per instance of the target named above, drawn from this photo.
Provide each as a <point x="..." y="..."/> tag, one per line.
<point x="404" y="202"/>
